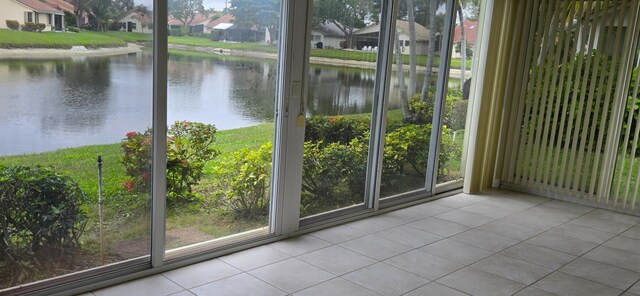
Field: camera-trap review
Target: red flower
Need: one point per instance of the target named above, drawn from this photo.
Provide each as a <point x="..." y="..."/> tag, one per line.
<point x="131" y="134"/>
<point x="128" y="184"/>
<point x="185" y="123"/>
<point x="331" y="119"/>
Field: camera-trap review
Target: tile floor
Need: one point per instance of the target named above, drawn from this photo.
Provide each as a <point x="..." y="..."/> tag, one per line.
<point x="500" y="244"/>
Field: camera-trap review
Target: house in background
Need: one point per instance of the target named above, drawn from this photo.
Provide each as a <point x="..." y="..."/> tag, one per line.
<point x="368" y="36"/>
<point x="197" y="25"/>
<point x="48" y="12"/>
<point x="329" y="34"/>
<point x="135" y="21"/>
<point x="471" y="30"/>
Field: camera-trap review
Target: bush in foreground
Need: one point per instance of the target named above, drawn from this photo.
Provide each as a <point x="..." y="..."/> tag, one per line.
<point x="40" y="216"/>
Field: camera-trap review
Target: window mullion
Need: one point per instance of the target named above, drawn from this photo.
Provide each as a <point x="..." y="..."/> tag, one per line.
<point x="381" y="97"/>
<point x="159" y="163"/>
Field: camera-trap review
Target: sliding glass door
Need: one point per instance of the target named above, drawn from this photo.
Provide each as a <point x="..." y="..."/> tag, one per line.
<point x="220" y="118"/>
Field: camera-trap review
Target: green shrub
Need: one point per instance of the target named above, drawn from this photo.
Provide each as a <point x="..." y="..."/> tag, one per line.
<point x="40" y="212"/>
<point x="455" y="110"/>
<point x="73" y="29"/>
<point x="335" y="129"/>
<point x="33" y="27"/>
<point x="137" y="161"/>
<point x="13" y="24"/>
<point x="407" y="147"/>
<point x="243" y="182"/>
<point x="333" y="174"/>
<point x="178" y="32"/>
<point x="450" y="155"/>
<point x="189" y="148"/>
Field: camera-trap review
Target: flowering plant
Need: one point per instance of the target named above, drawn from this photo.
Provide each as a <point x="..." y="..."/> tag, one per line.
<point x="189" y="148"/>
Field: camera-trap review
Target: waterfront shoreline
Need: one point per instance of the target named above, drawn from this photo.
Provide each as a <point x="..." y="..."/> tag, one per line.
<point x="51" y="53"/>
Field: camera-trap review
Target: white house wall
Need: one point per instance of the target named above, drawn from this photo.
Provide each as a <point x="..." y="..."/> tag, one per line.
<point x="139" y="28"/>
<point x="12" y="10"/>
<point x="327" y="41"/>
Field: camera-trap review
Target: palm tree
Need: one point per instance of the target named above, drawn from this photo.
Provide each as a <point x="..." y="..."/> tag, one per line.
<point x="406" y="113"/>
<point x="433" y="7"/>
<point x="463" y="43"/>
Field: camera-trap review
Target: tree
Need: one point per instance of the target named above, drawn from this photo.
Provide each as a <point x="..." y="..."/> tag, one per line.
<point x="463" y="44"/>
<point x="259" y="13"/>
<point x="79" y="8"/>
<point x="347" y="15"/>
<point x="102" y="12"/>
<point x="404" y="100"/>
<point x="185" y="10"/>
<point x="433" y="7"/>
<point x="412" y="47"/>
<point x="143" y="14"/>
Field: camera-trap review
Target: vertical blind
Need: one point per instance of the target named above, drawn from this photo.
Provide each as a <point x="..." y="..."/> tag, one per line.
<point x="572" y="131"/>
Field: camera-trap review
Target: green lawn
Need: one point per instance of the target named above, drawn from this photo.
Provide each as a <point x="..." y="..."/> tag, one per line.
<point x="372" y="56"/>
<point x="80" y="163"/>
<point x="18" y="39"/>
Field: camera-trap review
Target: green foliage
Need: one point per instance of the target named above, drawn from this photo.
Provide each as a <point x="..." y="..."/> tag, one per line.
<point x="13" y="24"/>
<point x="73" y="29"/>
<point x="33" y="27"/>
<point x="407" y="147"/>
<point x="40" y="212"/>
<point x="243" y="182"/>
<point x="350" y="14"/>
<point x="189" y="148"/>
<point x="332" y="129"/>
<point x="333" y="175"/>
<point x="469" y="49"/>
<point x="185" y="10"/>
<point x="178" y="31"/>
<point x="259" y="13"/>
<point x="455" y="112"/>
<point x="137" y="161"/>
<point x="422" y="111"/>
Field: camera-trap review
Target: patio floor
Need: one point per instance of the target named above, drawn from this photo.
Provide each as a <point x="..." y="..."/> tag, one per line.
<point x="503" y="243"/>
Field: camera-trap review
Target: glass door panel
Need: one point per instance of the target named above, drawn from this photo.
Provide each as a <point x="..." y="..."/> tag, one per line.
<point x="222" y="79"/>
<point x="75" y="159"/>
<point x="451" y="167"/>
<point x="417" y="60"/>
<point x="342" y="71"/>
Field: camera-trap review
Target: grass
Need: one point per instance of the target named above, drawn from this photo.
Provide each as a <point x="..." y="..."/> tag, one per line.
<point x="19" y="39"/>
<point x="81" y="163"/>
<point x="372" y="56"/>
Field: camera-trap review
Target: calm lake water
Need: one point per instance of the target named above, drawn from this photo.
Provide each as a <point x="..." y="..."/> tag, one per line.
<point x="51" y="104"/>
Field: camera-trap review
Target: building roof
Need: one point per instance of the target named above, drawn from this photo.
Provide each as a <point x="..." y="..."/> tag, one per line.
<point x="142" y="17"/>
<point x="422" y="34"/>
<point x="62" y="5"/>
<point x="471" y="28"/>
<point x="227" y="18"/>
<point x="329" y="29"/>
<point x="198" y="19"/>
<point x="41" y="6"/>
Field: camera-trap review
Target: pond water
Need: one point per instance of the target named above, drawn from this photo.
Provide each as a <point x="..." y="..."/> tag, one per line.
<point x="52" y="104"/>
